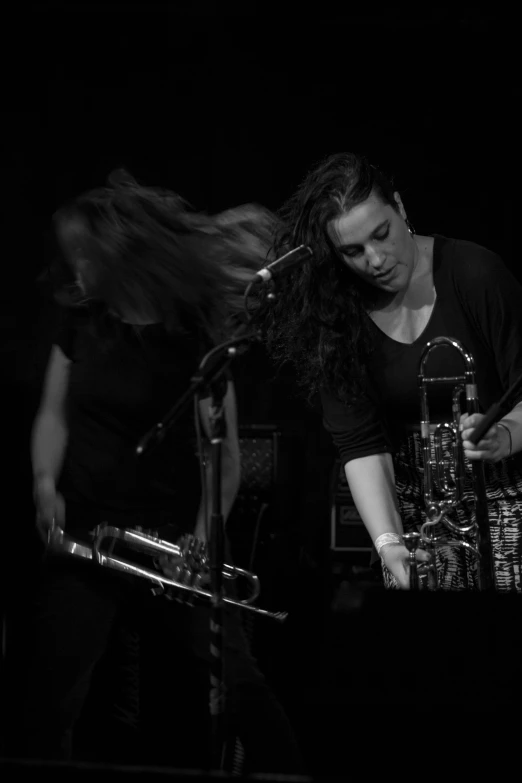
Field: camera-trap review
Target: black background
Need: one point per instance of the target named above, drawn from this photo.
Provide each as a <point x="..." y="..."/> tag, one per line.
<point x="228" y="103"/>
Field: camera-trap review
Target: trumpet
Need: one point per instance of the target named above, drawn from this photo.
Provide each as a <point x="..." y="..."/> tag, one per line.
<point x="444" y="479"/>
<point x="190" y="552"/>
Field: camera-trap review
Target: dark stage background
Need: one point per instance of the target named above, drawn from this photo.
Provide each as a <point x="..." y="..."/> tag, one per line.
<point x="228" y="103"/>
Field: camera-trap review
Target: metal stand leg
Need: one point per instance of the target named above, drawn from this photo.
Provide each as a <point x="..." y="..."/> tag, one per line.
<point x="217" y="536"/>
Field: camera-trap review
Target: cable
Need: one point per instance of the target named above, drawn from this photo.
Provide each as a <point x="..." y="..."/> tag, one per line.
<point x="261" y="513"/>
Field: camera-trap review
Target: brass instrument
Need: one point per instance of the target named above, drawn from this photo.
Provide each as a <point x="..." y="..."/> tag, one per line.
<point x="444" y="479"/>
<point x="190" y="552"/>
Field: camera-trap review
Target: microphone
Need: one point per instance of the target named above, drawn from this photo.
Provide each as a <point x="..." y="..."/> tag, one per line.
<point x="283" y="265"/>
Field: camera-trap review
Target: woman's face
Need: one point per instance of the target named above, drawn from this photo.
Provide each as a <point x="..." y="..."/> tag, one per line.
<point x="71" y="236"/>
<point x="375" y="244"/>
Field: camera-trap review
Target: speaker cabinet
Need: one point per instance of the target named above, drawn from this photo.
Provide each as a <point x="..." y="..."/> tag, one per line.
<point x="255" y="516"/>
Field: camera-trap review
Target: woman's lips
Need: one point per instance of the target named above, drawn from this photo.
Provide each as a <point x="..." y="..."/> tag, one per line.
<point x="383" y="275"/>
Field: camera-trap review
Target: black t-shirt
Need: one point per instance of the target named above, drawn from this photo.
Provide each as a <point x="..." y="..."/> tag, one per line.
<point x="479" y="303"/>
<point x="123" y="380"/>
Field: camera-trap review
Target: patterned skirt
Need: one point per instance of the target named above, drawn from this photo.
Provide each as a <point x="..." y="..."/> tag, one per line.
<point x="456" y="568"/>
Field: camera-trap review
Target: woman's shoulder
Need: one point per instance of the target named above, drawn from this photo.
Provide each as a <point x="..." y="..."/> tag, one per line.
<point x="466" y="260"/>
<point x="466" y="252"/>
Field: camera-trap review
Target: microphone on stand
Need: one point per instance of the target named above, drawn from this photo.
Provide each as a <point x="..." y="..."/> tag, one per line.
<point x="283" y="265"/>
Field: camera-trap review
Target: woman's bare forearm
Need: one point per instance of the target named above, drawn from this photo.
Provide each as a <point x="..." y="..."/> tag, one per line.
<point x="372" y="484"/>
<point x="513" y="421"/>
<point x="48" y="445"/>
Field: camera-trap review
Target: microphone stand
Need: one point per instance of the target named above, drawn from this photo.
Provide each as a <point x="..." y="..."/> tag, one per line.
<point x="210" y="376"/>
<point x="218" y="431"/>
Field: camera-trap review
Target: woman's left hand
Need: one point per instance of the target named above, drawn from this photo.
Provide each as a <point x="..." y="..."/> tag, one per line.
<point x="494" y="445"/>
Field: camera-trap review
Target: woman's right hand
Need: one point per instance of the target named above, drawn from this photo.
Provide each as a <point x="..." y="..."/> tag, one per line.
<point x="396" y="558"/>
<point x="50" y="507"/>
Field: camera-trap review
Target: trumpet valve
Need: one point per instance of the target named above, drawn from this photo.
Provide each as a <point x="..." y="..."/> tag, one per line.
<point x="194" y="552"/>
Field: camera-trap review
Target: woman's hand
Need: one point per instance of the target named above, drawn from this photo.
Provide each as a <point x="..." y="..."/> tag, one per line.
<point x="50" y="507"/>
<point x="396" y="558"/>
<point x="494" y="446"/>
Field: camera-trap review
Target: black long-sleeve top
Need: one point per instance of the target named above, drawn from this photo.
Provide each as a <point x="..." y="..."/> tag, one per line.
<point x="478" y="302"/>
<point x="118" y="389"/>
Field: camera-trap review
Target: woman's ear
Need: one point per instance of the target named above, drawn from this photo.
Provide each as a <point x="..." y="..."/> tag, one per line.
<point x="400" y="205"/>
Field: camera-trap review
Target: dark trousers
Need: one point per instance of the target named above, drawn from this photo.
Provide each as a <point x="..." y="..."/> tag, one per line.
<point x="85" y="618"/>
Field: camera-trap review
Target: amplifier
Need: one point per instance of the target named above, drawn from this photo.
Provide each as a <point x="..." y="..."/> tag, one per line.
<point x="259" y="445"/>
<point x="256" y="509"/>
<point x="347" y="531"/>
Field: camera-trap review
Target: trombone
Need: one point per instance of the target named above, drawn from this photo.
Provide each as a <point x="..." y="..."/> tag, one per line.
<point x="190" y="552"/>
<point x="444" y="479"/>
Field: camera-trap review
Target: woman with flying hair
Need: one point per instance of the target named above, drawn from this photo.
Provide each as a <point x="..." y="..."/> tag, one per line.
<point x="354" y="321"/>
<point x="147" y="287"/>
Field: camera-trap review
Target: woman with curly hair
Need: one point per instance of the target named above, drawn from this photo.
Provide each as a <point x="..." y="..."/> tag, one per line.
<point x="148" y="286"/>
<point x="354" y="321"/>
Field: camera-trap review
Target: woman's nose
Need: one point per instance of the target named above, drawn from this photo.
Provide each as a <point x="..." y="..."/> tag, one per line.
<point x="375" y="257"/>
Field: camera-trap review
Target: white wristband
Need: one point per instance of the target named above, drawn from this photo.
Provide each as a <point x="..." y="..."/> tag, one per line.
<point x="385" y="539"/>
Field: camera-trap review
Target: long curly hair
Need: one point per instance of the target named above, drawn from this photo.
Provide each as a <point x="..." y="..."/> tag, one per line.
<point x="147" y="250"/>
<point x="318" y="320"/>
